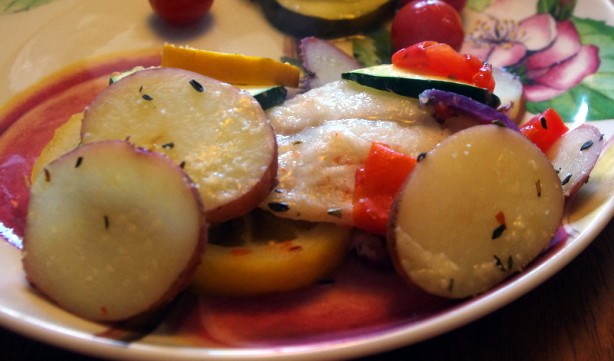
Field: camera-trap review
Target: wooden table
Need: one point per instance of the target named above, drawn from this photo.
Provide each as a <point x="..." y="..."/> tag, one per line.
<point x="570" y="317"/>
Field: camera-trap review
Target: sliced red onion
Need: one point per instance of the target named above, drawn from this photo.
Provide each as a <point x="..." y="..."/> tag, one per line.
<point x="446" y="104"/>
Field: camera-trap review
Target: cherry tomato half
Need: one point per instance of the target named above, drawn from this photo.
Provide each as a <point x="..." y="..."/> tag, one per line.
<point x="423" y="20"/>
<point x="181" y="11"/>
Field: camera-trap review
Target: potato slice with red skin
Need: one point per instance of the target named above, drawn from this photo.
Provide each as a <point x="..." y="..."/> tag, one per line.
<point x="574" y="155"/>
<point x="217" y="133"/>
<point x="480" y="207"/>
<point x="112" y="231"/>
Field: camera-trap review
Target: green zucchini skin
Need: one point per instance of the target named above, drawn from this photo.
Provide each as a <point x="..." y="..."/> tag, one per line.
<point x="268" y="97"/>
<point x="301" y="25"/>
<point x="405" y="83"/>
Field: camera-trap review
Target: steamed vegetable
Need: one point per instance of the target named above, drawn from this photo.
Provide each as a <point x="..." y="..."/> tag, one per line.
<point x="235" y="69"/>
<point x="112" y="231"/>
<point x="324" y="62"/>
<point x="478" y="208"/>
<point x="574" y="155"/>
<point x="447" y="104"/>
<point x="327" y="19"/>
<point x="260" y="253"/>
<point x="217" y="133"/>
<point x="65" y="138"/>
<point x="438" y="59"/>
<point x="407" y="83"/>
<point x="544" y="129"/>
<point x="376" y="185"/>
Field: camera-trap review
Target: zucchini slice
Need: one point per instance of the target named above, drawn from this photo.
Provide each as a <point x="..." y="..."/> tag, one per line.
<point x="267" y="96"/>
<point x="390" y="78"/>
<point x="325" y="18"/>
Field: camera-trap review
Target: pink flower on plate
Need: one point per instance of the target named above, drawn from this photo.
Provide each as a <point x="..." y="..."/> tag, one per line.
<point x="547" y="54"/>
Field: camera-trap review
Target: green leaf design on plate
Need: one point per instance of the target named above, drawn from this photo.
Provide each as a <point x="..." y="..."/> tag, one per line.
<point x="478" y="5"/>
<point x="374" y="48"/>
<point x="559" y="9"/>
<point x="15" y="6"/>
<point x="597" y="90"/>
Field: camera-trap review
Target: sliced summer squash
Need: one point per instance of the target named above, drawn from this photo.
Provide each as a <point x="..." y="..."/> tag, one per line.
<point x="260" y="253"/>
<point x="478" y="208"/>
<point x="394" y="79"/>
<point x="65" y="138"/>
<point x="216" y="132"/>
<point x="235" y="69"/>
<point x="325" y="18"/>
<point x="112" y="231"/>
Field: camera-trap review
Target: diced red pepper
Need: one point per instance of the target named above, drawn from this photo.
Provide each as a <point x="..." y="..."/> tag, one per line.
<point x="544" y="129"/>
<point x="433" y="58"/>
<point x="377" y="183"/>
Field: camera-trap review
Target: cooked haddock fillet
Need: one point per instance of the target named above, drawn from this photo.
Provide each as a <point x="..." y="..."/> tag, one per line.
<point x="343" y="99"/>
<point x="317" y="166"/>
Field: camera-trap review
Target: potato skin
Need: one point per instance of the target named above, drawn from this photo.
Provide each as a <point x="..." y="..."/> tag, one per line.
<point x="496" y="204"/>
<point x="37" y="274"/>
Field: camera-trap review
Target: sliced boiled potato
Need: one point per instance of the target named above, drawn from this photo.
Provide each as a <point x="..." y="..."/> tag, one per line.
<point x="575" y="154"/>
<point x="112" y="231"/>
<point x="510" y="91"/>
<point x="479" y="207"/>
<point x="218" y="134"/>
<point x="260" y="254"/>
<point x="65" y="138"/>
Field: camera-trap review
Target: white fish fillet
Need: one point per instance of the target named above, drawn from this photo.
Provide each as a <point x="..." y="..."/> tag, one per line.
<point x="343" y="99"/>
<point x="317" y="165"/>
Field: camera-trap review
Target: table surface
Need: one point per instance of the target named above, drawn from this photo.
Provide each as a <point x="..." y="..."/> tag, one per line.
<point x="569" y="317"/>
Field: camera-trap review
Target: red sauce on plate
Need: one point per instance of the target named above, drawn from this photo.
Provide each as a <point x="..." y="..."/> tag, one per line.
<point x="356" y="300"/>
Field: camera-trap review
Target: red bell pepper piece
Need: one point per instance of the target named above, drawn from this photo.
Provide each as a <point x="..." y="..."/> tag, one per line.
<point x="544" y="129"/>
<point x="377" y="184"/>
<point x="433" y="58"/>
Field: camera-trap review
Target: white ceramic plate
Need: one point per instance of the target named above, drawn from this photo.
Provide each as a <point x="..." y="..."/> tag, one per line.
<point x="41" y="40"/>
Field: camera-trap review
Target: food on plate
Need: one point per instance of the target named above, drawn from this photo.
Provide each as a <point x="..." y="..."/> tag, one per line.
<point x="326" y="19"/>
<point x="260" y="253"/>
<point x="181" y="12"/>
<point x="459" y="5"/>
<point x="404" y="82"/>
<point x="419" y="163"/>
<point x="218" y="134"/>
<point x="445" y="105"/>
<point x="544" y="129"/>
<point x="267" y="96"/>
<point x="237" y="69"/>
<point x="342" y="100"/>
<point x="376" y="184"/>
<point x="65" y="138"/>
<point x="574" y="154"/>
<point x="510" y="91"/>
<point x="323" y="62"/>
<point x="317" y="166"/>
<point x="478" y="208"/>
<point x="112" y="231"/>
<point x="423" y="20"/>
<point x="432" y="65"/>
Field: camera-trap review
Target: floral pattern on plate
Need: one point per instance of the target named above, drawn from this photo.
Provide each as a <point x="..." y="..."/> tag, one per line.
<point x="564" y="61"/>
